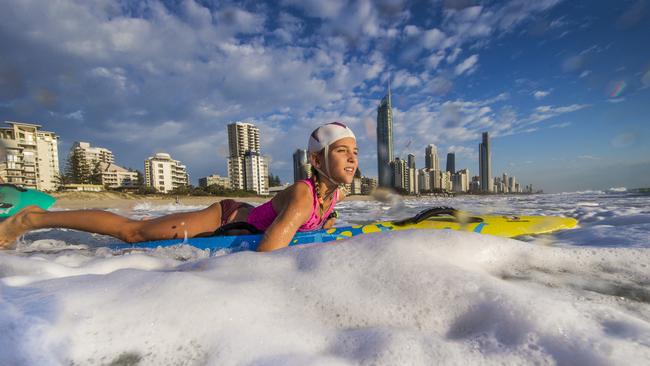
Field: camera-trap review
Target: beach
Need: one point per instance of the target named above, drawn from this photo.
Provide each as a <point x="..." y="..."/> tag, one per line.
<point x="126" y="201"/>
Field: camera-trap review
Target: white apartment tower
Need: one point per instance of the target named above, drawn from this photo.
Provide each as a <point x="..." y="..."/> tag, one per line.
<point x="164" y="173"/>
<point x="32" y="156"/>
<point x="247" y="169"/>
<point x="257" y="173"/>
<point x="91" y="154"/>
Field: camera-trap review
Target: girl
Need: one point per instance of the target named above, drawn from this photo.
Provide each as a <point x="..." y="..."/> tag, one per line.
<point x="306" y="205"/>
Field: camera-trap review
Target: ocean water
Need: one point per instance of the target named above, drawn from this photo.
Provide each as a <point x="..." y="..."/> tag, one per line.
<point x="579" y="297"/>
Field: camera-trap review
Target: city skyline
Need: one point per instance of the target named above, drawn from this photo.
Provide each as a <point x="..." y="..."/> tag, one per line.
<point x="560" y="86"/>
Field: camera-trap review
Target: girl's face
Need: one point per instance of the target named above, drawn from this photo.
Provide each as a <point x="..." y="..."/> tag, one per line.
<point x="343" y="161"/>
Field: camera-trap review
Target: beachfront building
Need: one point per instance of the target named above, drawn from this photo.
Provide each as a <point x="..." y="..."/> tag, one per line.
<point x="245" y="159"/>
<point x="84" y="162"/>
<point x="411" y="175"/>
<point x="116" y="177"/>
<point x="214" y="179"/>
<point x="385" y="141"/>
<point x="368" y="185"/>
<point x="431" y="157"/>
<point x="256" y="173"/>
<point x="398" y="168"/>
<point x="301" y="165"/>
<point x="31" y="156"/>
<point x="485" y="164"/>
<point x="424" y="180"/>
<point x="460" y="181"/>
<point x="451" y="162"/>
<point x="164" y="173"/>
<point x="92" y="154"/>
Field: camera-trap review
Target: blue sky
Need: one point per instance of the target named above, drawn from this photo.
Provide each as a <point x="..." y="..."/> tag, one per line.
<point x="563" y="87"/>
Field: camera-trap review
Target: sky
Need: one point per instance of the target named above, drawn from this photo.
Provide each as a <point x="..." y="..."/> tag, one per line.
<point x="563" y="87"/>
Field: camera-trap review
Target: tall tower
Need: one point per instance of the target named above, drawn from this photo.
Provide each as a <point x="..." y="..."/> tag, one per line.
<point x="485" y="164"/>
<point x="244" y="138"/>
<point x="385" y="140"/>
<point x="301" y="167"/>
<point x="451" y="162"/>
<point x="431" y="158"/>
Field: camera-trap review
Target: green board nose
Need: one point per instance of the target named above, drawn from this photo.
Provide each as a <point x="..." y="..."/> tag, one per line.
<point x="14" y="198"/>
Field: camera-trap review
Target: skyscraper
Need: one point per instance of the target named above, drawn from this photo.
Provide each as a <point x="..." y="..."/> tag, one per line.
<point x="412" y="175"/>
<point x="485" y="164"/>
<point x="431" y="157"/>
<point x="301" y="166"/>
<point x="385" y="140"/>
<point x="243" y="141"/>
<point x="451" y="162"/>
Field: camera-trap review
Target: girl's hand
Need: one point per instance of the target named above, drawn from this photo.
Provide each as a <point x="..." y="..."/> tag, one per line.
<point x="329" y="223"/>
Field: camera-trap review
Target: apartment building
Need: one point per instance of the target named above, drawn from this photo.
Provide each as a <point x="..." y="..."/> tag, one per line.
<point x="164" y="173"/>
<point x="114" y="176"/>
<point x="32" y="156"/>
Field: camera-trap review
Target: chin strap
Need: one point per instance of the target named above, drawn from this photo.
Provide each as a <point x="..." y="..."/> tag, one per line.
<point x="327" y="168"/>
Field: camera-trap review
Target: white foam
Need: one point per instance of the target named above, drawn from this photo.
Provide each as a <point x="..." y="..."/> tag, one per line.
<point x="398" y="298"/>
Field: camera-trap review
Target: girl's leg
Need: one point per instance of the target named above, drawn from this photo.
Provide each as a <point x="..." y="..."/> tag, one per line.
<point x="107" y="223"/>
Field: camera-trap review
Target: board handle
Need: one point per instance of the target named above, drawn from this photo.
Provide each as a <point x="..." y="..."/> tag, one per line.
<point x="435" y="212"/>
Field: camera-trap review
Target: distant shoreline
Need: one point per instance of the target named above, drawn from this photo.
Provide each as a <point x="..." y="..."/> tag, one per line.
<point x="94" y="200"/>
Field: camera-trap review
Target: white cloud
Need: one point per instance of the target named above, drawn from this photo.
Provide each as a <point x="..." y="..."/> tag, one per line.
<point x="434" y="60"/>
<point x="412" y="30"/>
<point x="77" y="115"/>
<point x="451" y="58"/>
<point x="540" y="94"/>
<point x="561" y="125"/>
<point x="433" y="38"/>
<point x="462" y="151"/>
<point x="615" y="100"/>
<point x="645" y="79"/>
<point x="585" y="73"/>
<point x="469" y="65"/>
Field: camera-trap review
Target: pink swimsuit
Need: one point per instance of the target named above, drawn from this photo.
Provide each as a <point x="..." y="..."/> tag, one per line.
<point x="263" y="216"/>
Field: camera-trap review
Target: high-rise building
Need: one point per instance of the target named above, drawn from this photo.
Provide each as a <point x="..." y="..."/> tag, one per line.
<point x="243" y="139"/>
<point x="385" y="140"/>
<point x="368" y="185"/>
<point x="92" y="154"/>
<point x="435" y="179"/>
<point x="301" y="166"/>
<point x="214" y="179"/>
<point x="485" y="164"/>
<point x="31" y="156"/>
<point x="451" y="162"/>
<point x="164" y="173"/>
<point x="445" y="181"/>
<point x="257" y="172"/>
<point x="411" y="175"/>
<point x="424" y="180"/>
<point x="85" y="161"/>
<point x="431" y="157"/>
<point x="460" y="181"/>
<point x="114" y="176"/>
<point x="399" y="169"/>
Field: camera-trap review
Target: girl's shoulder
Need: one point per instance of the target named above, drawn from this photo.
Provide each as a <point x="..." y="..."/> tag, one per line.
<point x="300" y="192"/>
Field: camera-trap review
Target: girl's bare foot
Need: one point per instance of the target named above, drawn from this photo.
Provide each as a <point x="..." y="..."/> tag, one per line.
<point x="16" y="225"/>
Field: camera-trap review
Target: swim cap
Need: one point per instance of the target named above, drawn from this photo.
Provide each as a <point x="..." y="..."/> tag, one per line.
<point x="326" y="134"/>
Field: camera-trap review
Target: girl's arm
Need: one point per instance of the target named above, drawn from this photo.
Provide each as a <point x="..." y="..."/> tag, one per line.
<point x="295" y="211"/>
